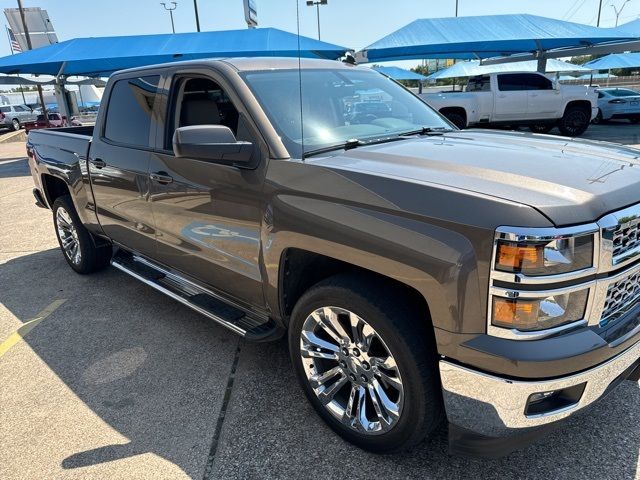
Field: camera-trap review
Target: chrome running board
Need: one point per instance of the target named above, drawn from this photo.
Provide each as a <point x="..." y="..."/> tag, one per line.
<point x="203" y="301"/>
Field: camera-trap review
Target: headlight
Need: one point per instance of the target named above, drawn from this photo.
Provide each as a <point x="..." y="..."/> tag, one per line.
<point x="530" y="314"/>
<point x="560" y="255"/>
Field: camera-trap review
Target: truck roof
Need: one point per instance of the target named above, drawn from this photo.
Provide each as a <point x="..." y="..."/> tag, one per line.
<point x="242" y="64"/>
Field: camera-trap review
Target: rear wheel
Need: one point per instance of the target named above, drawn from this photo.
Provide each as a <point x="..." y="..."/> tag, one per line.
<point x="574" y="122"/>
<point x="15" y="124"/>
<point x="77" y="244"/>
<point x="366" y="363"/>
<point x="541" y="128"/>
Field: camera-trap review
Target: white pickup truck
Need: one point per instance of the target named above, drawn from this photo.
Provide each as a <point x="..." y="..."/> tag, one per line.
<point x="514" y="99"/>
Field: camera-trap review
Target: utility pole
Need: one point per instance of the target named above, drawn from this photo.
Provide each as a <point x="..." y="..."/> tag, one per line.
<point x="195" y="7"/>
<point x="618" y="12"/>
<point x="599" y="13"/>
<point x="317" y="3"/>
<point x="26" y="34"/>
<point x="457" y="7"/>
<point x="170" y="9"/>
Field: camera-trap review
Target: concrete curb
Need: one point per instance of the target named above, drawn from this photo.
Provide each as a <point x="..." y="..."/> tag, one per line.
<point x="19" y="136"/>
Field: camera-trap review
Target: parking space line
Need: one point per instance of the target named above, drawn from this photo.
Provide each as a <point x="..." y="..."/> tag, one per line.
<point x="21" y="332"/>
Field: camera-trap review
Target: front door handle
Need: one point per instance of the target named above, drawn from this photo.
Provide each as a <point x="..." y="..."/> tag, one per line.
<point x="161" y="177"/>
<point x="98" y="163"/>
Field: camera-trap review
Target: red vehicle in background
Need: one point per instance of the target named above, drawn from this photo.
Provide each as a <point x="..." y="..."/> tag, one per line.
<point x="55" y="120"/>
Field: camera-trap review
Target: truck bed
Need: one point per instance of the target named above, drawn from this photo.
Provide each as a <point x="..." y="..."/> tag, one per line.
<point x="61" y="145"/>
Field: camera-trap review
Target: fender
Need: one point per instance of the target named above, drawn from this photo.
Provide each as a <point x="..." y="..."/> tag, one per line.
<point x="440" y="264"/>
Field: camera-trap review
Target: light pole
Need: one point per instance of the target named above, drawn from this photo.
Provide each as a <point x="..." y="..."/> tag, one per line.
<point x="195" y="8"/>
<point x="170" y="9"/>
<point x="29" y="46"/>
<point x="599" y="13"/>
<point x="618" y="12"/>
<point x="456" y="8"/>
<point x="317" y="3"/>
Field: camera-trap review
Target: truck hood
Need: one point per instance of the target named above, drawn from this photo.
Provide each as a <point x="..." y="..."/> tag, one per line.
<point x="569" y="181"/>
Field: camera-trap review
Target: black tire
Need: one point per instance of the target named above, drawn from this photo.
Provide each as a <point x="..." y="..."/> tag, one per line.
<point x="574" y="122"/>
<point x="598" y="118"/>
<point x="409" y="338"/>
<point x="542" y="127"/>
<point x="15" y="124"/>
<point x="457" y="119"/>
<point x="635" y="120"/>
<point x="92" y="258"/>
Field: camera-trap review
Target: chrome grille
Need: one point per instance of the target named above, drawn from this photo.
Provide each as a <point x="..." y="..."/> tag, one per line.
<point x="626" y="238"/>
<point x="621" y="296"/>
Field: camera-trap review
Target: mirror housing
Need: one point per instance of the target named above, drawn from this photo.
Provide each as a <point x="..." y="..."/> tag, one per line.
<point x="212" y="143"/>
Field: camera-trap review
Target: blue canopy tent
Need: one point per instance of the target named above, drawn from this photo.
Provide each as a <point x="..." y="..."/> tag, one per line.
<point x="479" y="37"/>
<point x="398" y="73"/>
<point x="472" y="68"/>
<point x="615" y="60"/>
<point x="102" y="56"/>
<point x="631" y="28"/>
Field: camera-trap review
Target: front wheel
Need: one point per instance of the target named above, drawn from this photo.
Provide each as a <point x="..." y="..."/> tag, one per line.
<point x="574" y="122"/>
<point x="80" y="250"/>
<point x="366" y="363"/>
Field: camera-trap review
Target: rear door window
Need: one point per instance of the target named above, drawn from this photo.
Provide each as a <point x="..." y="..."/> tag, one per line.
<point x="523" y="81"/>
<point x="129" y="110"/>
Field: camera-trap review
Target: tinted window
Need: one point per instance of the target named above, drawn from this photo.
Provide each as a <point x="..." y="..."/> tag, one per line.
<point x="523" y="81"/>
<point x="129" y="111"/>
<point x="623" y="92"/>
<point x="480" y="83"/>
<point x="19" y="108"/>
<point x="200" y="101"/>
<point x="5" y="109"/>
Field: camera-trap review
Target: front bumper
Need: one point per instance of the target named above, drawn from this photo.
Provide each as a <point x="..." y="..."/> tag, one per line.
<point x="497" y="407"/>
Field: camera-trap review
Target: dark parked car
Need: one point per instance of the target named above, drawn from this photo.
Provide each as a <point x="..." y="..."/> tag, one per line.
<point x="419" y="273"/>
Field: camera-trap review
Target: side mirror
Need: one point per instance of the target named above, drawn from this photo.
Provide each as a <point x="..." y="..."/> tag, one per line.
<point x="212" y="143"/>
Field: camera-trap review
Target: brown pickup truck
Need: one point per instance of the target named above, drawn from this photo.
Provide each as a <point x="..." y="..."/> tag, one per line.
<point x="420" y="273"/>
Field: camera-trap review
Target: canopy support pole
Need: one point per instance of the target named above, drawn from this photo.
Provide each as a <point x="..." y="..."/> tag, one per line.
<point x="61" y="96"/>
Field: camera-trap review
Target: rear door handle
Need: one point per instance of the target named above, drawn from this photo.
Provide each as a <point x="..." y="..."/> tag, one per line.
<point x="161" y="177"/>
<point x="98" y="163"/>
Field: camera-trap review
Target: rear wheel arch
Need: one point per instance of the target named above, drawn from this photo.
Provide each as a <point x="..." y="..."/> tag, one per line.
<point x="54" y="187"/>
<point x="582" y="104"/>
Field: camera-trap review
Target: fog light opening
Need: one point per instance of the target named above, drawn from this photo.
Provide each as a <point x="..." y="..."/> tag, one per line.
<point x="545" y="403"/>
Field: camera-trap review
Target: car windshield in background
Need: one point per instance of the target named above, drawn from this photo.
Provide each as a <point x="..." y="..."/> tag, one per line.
<point x="337" y="106"/>
<point x="622" y="92"/>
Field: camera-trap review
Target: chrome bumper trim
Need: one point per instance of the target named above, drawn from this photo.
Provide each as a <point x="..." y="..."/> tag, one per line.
<point x="495" y="406"/>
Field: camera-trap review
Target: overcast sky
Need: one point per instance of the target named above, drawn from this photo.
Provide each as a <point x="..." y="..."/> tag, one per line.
<point x="352" y="23"/>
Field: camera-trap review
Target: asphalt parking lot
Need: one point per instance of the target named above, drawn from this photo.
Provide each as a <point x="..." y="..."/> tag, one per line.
<point x="107" y="378"/>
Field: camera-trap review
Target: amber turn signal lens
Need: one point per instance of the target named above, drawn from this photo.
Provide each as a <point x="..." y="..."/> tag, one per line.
<point x="515" y="258"/>
<point x="520" y="314"/>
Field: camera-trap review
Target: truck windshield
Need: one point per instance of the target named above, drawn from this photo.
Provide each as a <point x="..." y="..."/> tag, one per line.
<point x="337" y="106"/>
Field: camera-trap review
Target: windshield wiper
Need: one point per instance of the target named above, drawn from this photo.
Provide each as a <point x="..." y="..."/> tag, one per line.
<point x="348" y="145"/>
<point x="427" y="131"/>
<point x="352" y="143"/>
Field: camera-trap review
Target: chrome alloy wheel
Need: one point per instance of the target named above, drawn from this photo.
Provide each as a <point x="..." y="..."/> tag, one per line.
<point x="351" y="370"/>
<point x="68" y="236"/>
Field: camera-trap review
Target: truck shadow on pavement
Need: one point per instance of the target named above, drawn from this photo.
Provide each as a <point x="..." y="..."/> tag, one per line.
<point x="156" y="373"/>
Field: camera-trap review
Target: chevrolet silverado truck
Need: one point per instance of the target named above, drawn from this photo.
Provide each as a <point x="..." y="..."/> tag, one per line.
<point x="420" y="273"/>
<point x="518" y="99"/>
